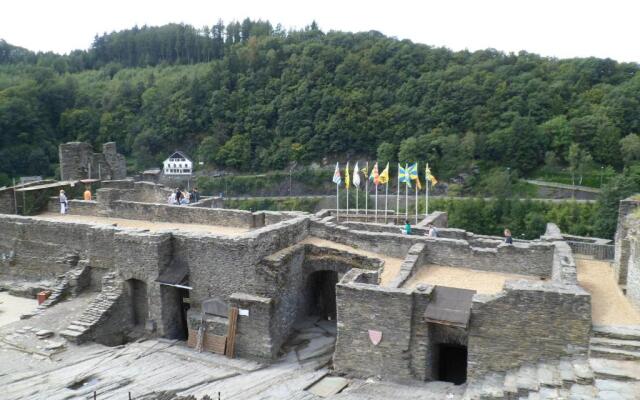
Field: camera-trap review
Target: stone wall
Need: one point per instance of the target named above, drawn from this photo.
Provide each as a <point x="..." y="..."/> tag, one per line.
<point x="529" y="258"/>
<point x="78" y="161"/>
<point x="529" y="322"/>
<point x="76" y="207"/>
<point x="622" y="244"/>
<point x="414" y="259"/>
<point x="363" y="307"/>
<point x="633" y="263"/>
<point x="7" y="203"/>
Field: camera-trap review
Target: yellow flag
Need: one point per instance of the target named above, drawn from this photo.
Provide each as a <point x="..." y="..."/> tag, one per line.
<point x="347" y="179"/>
<point x="418" y="184"/>
<point x="384" y="176"/>
<point x="430" y="177"/>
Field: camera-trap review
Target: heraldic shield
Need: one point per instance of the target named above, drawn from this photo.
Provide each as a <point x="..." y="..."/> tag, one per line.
<point x="375" y="336"/>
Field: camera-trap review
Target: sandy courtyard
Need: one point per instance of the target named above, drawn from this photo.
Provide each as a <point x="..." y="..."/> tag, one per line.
<point x="11" y="307"/>
<point x="482" y="282"/>
<point x="139" y="224"/>
<point x="608" y="304"/>
<point x="391" y="264"/>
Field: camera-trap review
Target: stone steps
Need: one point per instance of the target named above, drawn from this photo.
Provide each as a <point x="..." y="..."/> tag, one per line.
<point x="617" y="332"/>
<point x="612" y="372"/>
<point x="614" y="354"/>
<point x="81" y="329"/>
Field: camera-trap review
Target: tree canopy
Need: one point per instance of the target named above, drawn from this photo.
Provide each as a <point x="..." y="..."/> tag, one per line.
<point x="250" y="96"/>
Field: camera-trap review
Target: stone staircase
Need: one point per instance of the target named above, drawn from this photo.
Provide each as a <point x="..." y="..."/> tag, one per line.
<point x="612" y="372"/>
<point x="98" y="311"/>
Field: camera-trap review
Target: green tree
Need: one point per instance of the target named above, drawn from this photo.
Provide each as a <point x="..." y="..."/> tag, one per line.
<point x="236" y="152"/>
<point x="630" y="148"/>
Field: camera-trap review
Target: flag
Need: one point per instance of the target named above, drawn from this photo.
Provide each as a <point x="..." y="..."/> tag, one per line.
<point x="413" y="175"/>
<point x="384" y="176"/>
<point x="365" y="170"/>
<point x="375" y="177"/>
<point x="347" y="178"/>
<point x="404" y="175"/>
<point x="336" y="175"/>
<point x="429" y="177"/>
<point x="356" y="175"/>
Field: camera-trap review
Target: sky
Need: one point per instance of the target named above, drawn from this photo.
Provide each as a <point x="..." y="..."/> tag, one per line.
<point x="559" y="28"/>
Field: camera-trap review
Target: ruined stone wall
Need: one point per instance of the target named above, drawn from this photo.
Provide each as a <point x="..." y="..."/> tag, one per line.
<point x="528" y="323"/>
<point x="78" y="161"/>
<point x="529" y="258"/>
<point x="7" y="203"/>
<point x="180" y="214"/>
<point x="626" y="207"/>
<point x="363" y="307"/>
<point x="76" y="207"/>
<point x="633" y="263"/>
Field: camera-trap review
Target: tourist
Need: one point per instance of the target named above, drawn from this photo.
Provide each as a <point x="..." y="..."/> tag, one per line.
<point x="195" y="196"/>
<point x="178" y="196"/>
<point x="507" y="236"/>
<point x="185" y="198"/>
<point x="87" y="194"/>
<point x="64" y="204"/>
<point x="407" y="227"/>
<point x="433" y="232"/>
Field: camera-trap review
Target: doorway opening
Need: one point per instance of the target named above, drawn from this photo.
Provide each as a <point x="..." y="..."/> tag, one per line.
<point x="175" y="304"/>
<point x="139" y="302"/>
<point x="452" y="363"/>
<point x="321" y="286"/>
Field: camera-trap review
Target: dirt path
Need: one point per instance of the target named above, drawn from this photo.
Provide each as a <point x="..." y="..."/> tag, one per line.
<point x="391" y="264"/>
<point x="481" y="281"/>
<point x="11" y="307"/>
<point x="609" y="306"/>
<point x="152" y="226"/>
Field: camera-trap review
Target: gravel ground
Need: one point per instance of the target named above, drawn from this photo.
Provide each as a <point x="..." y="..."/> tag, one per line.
<point x="480" y="281"/>
<point x="391" y="265"/>
<point x="152" y="226"/>
<point x="608" y="305"/>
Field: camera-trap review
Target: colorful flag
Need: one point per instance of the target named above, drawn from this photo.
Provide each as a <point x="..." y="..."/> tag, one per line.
<point x="418" y="184"/>
<point x="356" y="175"/>
<point x="429" y="177"/>
<point x="365" y="170"/>
<point x="404" y="175"/>
<point x="347" y="178"/>
<point x="413" y="171"/>
<point x="336" y="175"/>
<point x="384" y="176"/>
<point x="375" y="177"/>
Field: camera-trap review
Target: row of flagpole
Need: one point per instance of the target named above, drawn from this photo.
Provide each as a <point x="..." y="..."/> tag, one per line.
<point x="405" y="175"/>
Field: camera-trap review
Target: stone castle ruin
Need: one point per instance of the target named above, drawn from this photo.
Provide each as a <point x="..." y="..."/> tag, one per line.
<point x="460" y="308"/>
<point x="78" y="161"/>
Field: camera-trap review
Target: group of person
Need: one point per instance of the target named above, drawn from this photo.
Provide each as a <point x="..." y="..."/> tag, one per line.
<point x="182" y="197"/>
<point x="64" y="202"/>
<point x="432" y="232"/>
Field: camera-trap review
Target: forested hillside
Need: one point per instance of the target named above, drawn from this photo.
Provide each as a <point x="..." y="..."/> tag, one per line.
<point x="248" y="96"/>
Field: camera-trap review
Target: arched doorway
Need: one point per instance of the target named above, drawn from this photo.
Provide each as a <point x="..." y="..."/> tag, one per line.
<point x="139" y="302"/>
<point x="321" y="289"/>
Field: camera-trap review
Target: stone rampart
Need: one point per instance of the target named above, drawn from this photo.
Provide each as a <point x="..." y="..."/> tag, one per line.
<point x="528" y="323"/>
<point x="622" y="244"/>
<point x="529" y="258"/>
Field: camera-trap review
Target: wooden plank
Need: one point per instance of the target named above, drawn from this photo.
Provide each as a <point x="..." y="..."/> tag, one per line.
<point x="210" y="342"/>
<point x="231" y="333"/>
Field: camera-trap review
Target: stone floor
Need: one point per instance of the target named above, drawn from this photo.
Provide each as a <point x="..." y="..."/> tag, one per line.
<point x="138" y="224"/>
<point x="483" y="282"/>
<point x="28" y="370"/>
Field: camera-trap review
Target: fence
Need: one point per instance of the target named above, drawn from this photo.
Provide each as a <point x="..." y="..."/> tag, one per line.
<point x="597" y="251"/>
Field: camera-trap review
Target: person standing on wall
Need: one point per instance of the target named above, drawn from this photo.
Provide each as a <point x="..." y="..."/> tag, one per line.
<point x="87" y="194"/>
<point x="507" y="236"/>
<point x="64" y="204"/>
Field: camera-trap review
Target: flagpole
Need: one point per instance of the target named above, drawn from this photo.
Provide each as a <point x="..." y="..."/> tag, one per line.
<point x="348" y="201"/>
<point x="366" y="197"/>
<point x="386" y="200"/>
<point x="398" y="196"/>
<point x="357" y="210"/>
<point x="376" y="186"/>
<point x="426" y="194"/>
<point x="417" y="189"/>
<point x="337" y="202"/>
<point x="406" y="193"/>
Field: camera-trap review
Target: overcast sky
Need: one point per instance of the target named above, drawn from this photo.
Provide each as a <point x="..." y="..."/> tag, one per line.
<point x="557" y="28"/>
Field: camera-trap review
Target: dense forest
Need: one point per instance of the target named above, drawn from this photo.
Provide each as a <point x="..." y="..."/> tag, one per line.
<point x="248" y="96"/>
